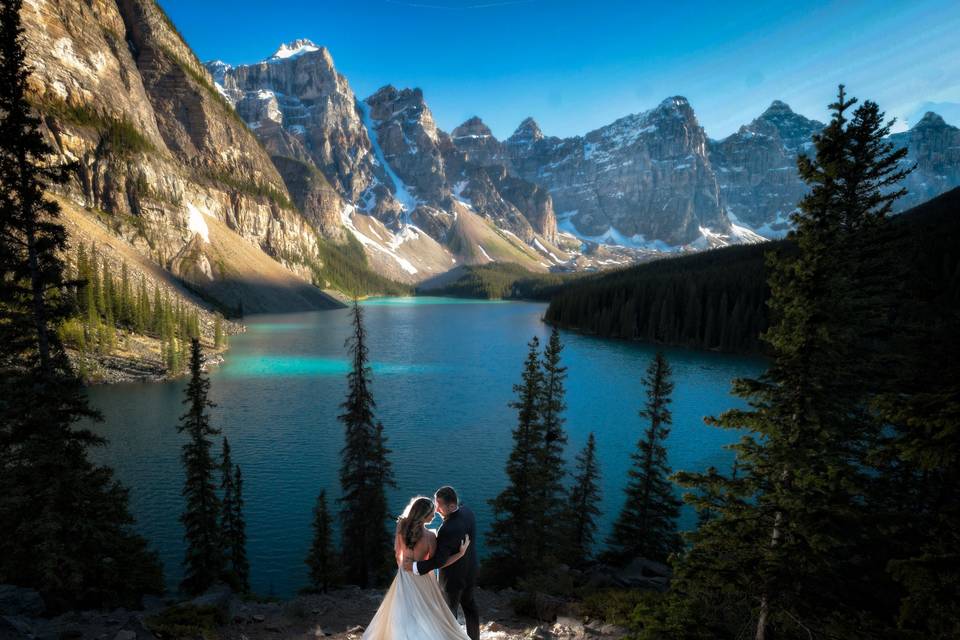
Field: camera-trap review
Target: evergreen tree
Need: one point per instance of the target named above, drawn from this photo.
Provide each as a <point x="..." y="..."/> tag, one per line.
<point x="647" y="525"/>
<point x="584" y="504"/>
<point x="65" y="525"/>
<point x="203" y="561"/>
<point x="96" y="283"/>
<point x="238" y="548"/>
<point x="552" y="498"/>
<point x="232" y="525"/>
<point x="126" y="298"/>
<point x="788" y="548"/>
<point x="321" y="560"/>
<point x="365" y="471"/>
<point x="83" y="276"/>
<point x="142" y="321"/>
<point x="516" y="511"/>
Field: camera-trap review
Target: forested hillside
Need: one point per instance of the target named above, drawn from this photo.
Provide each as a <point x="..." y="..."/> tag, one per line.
<point x="502" y="281"/>
<point x="717" y="299"/>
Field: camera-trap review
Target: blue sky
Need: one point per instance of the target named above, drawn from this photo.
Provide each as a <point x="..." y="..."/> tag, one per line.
<point x="577" y="65"/>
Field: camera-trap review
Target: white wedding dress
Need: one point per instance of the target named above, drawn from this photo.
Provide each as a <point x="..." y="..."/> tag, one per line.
<point x="414" y="609"/>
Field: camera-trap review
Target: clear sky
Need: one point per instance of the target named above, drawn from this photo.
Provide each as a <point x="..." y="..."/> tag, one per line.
<point x="575" y="65"/>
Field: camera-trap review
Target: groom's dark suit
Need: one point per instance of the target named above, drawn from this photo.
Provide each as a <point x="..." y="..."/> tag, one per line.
<point x="459" y="580"/>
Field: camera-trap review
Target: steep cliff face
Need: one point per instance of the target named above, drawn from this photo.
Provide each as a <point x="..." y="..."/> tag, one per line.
<point x="934" y="147"/>
<point x="641" y="179"/>
<point x="756" y="167"/>
<point x="300" y="106"/>
<point x="160" y="151"/>
<point x="386" y="159"/>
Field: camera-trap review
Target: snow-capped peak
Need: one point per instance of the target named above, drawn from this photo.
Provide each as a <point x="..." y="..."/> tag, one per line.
<point x="294" y="49"/>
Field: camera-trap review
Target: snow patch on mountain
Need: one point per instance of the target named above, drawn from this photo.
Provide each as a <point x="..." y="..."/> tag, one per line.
<point x="293" y="49"/>
<point x="612" y="236"/>
<point x="346" y="216"/>
<point x="407" y="200"/>
<point x="196" y="223"/>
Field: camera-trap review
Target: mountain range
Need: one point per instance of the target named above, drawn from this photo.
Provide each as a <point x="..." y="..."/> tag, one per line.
<point x="247" y="182"/>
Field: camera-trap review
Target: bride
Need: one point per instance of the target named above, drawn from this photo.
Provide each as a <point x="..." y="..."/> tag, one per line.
<point x="414" y="608"/>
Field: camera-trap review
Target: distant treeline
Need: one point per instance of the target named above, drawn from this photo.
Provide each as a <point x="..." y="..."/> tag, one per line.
<point x="504" y="281"/>
<point x="717" y="299"/>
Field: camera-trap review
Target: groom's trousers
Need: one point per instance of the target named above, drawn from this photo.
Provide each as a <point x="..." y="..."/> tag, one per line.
<point x="464" y="598"/>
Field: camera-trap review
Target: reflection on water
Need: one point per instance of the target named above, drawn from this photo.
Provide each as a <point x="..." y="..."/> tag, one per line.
<point x="279" y="365"/>
<point x="443" y="375"/>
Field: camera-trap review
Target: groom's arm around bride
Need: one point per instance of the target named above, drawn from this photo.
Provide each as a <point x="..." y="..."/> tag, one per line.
<point x="459" y="579"/>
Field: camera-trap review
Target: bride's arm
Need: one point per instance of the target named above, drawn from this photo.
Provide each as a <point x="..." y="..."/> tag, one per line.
<point x="398" y="547"/>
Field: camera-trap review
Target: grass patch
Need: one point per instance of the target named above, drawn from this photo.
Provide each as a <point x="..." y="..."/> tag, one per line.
<point x="505" y="281"/>
<point x="124" y="138"/>
<point x="118" y="134"/>
<point x="248" y="187"/>
<point x="615" y="606"/>
<point x="186" y="621"/>
<point x="344" y="267"/>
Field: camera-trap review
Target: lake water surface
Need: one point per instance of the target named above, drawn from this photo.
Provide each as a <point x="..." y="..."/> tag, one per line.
<point x="443" y="375"/>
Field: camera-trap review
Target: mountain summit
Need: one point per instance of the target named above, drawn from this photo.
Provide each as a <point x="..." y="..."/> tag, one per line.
<point x="294" y="49"/>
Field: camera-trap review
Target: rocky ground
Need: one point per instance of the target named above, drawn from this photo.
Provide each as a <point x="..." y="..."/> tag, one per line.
<point x="340" y="615"/>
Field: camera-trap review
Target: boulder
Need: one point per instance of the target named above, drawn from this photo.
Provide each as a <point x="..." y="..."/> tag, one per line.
<point x="14" y="628"/>
<point x="15" y="601"/>
<point x="548" y="607"/>
<point x="219" y="597"/>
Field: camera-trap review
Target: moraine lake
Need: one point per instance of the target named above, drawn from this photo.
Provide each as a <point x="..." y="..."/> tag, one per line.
<point x="443" y="371"/>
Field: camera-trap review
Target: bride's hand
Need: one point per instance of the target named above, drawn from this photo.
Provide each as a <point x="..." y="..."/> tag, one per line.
<point x="464" y="544"/>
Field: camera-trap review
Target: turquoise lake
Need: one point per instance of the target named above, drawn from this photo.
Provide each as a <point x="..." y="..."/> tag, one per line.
<point x="443" y="375"/>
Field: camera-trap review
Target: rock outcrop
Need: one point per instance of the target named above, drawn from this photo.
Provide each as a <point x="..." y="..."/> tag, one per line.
<point x="385" y="158"/>
<point x="934" y="147"/>
<point x="160" y="152"/>
<point x="756" y="168"/>
<point x="644" y="178"/>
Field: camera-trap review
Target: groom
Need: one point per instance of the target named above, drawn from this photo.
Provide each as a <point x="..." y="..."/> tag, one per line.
<point x="459" y="579"/>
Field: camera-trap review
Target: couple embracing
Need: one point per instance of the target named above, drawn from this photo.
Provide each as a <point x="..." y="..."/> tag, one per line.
<point x="418" y="605"/>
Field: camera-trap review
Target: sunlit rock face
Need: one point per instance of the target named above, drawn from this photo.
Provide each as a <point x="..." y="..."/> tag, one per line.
<point x="157" y="148"/>
<point x="756" y="167"/>
<point x="933" y="147"/>
<point x="384" y="155"/>
<point x="646" y="176"/>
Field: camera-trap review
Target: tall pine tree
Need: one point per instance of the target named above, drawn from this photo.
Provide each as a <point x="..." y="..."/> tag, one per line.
<point x="233" y="531"/>
<point x="365" y="471"/>
<point x="321" y="562"/>
<point x="552" y="497"/>
<point x="203" y="561"/>
<point x="647" y="525"/>
<point x="788" y="550"/>
<point x="65" y="526"/>
<point x="584" y="505"/>
<point x="516" y="510"/>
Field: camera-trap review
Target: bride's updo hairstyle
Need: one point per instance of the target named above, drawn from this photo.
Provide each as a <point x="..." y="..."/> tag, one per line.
<point x="410" y="525"/>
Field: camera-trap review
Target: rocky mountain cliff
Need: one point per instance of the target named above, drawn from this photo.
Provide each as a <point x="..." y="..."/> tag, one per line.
<point x="161" y="159"/>
<point x="404" y="186"/>
<point x="934" y="147"/>
<point x="756" y="168"/>
<point x="198" y="165"/>
<point x="642" y="180"/>
<point x="653" y="180"/>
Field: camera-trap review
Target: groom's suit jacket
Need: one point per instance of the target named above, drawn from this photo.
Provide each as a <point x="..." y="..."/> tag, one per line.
<point x="462" y="574"/>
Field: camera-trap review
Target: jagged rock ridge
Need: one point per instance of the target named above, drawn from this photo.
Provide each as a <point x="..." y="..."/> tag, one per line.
<point x="163" y="156"/>
<point x="387" y="160"/>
